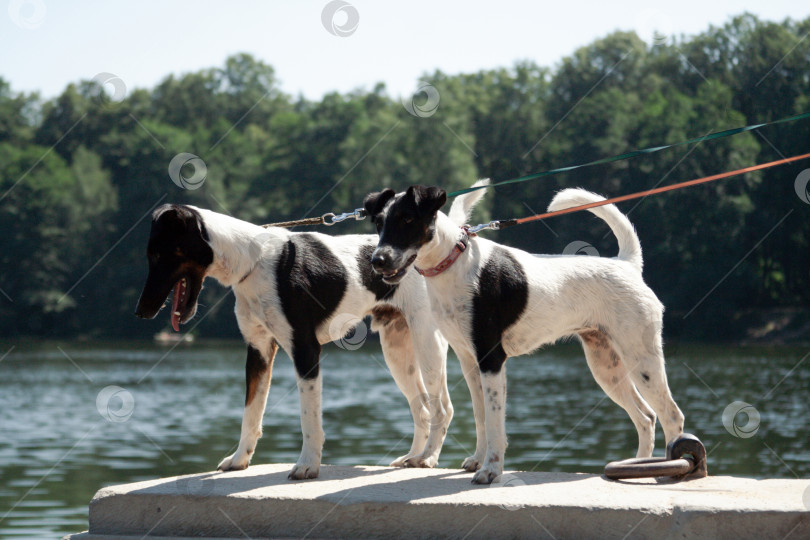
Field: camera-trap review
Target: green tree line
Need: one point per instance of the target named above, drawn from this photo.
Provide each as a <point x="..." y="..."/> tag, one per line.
<point x="80" y="173"/>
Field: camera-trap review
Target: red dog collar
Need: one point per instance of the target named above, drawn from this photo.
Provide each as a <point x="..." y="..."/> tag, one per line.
<point x="448" y="261"/>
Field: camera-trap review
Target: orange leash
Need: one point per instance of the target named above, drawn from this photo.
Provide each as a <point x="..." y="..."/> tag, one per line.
<point x="664" y="189"/>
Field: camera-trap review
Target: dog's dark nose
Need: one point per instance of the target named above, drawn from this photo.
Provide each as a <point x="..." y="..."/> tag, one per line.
<point x="379" y="261"/>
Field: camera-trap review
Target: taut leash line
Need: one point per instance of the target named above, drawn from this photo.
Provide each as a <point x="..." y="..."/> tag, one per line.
<point x="634" y="153"/>
<point x="502" y="224"/>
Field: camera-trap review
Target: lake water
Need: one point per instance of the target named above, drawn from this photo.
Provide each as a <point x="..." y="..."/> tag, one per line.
<point x="180" y="412"/>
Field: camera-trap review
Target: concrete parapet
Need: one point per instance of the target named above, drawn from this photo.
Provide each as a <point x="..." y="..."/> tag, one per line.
<point x="388" y="503"/>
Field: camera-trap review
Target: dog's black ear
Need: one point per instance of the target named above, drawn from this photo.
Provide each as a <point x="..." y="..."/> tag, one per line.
<point x="375" y="202"/>
<point x="429" y="200"/>
<point x="166" y="211"/>
<point x="181" y="217"/>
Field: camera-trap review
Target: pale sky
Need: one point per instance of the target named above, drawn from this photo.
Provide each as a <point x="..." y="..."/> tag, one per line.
<point x="46" y="44"/>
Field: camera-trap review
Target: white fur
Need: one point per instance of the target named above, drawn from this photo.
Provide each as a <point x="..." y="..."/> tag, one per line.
<point x="629" y="246"/>
<point x="568" y="295"/>
<point x="462" y="207"/>
<point x="245" y="258"/>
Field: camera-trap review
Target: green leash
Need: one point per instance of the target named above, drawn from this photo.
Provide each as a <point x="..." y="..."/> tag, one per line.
<point x="628" y="155"/>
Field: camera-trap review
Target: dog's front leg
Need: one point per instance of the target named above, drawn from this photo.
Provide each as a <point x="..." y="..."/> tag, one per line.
<point x="431" y="351"/>
<point x="472" y="374"/>
<point x="258" y="371"/>
<point x="494" y="384"/>
<point x="306" y="357"/>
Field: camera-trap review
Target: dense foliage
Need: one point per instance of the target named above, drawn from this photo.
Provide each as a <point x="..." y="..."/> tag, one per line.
<point x="80" y="173"/>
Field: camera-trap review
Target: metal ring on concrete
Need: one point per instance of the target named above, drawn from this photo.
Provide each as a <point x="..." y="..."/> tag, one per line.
<point x="686" y="458"/>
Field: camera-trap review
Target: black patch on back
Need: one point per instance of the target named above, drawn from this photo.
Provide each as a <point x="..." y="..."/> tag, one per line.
<point x="311" y="282"/>
<point x="371" y="279"/>
<point x="501" y="297"/>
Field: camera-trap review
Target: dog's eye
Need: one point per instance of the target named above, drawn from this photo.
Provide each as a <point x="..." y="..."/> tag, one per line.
<point x="408" y="220"/>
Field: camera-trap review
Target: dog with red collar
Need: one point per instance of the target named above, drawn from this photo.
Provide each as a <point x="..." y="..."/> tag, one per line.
<point x="492" y="302"/>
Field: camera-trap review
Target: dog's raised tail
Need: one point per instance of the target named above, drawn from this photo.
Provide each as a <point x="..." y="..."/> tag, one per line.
<point x="629" y="246"/>
<point x="462" y="207"/>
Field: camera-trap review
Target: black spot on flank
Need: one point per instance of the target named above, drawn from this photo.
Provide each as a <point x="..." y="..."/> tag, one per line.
<point x="371" y="279"/>
<point x="498" y="303"/>
<point x="645" y="376"/>
<point x="311" y="283"/>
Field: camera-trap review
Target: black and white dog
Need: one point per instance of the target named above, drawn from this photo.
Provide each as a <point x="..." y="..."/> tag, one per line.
<point x="492" y="302"/>
<point x="296" y="290"/>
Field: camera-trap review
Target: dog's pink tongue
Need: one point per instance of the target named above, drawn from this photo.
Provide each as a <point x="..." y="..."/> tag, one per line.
<point x="175" y="302"/>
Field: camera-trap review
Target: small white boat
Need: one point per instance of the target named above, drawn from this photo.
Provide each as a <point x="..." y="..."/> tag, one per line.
<point x="165" y="337"/>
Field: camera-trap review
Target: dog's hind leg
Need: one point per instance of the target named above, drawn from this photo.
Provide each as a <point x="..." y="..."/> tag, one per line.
<point x="612" y="375"/>
<point x="395" y="338"/>
<point x="647" y="370"/>
<point x="258" y="371"/>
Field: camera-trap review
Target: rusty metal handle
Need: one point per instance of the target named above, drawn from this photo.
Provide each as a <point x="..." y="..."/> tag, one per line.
<point x="686" y="458"/>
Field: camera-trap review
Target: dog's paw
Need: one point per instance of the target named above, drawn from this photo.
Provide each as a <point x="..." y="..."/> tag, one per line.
<point x="419" y="462"/>
<point x="471" y="464"/>
<point x="485" y="476"/>
<point x="400" y="461"/>
<point x="235" y="462"/>
<point x="304" y="472"/>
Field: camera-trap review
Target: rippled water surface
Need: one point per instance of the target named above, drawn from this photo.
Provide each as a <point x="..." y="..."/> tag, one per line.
<point x="57" y="449"/>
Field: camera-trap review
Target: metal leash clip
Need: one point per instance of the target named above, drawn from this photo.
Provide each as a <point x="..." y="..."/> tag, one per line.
<point x="359" y="214"/>
<point x="493" y="225"/>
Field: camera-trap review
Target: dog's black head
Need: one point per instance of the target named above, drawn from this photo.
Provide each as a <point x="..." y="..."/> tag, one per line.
<point x="178" y="255"/>
<point x="405" y="222"/>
